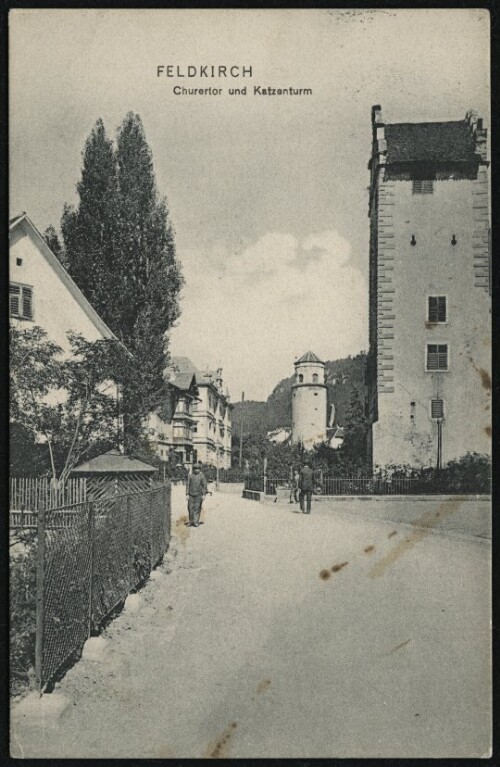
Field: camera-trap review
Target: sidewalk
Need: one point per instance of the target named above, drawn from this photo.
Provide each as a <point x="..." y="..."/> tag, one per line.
<point x="276" y="634"/>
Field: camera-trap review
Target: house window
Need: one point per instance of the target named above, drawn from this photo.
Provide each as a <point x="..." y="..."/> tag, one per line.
<point x="437" y="357"/>
<point x="436" y="309"/>
<point x="21" y="301"/>
<point x="437" y="409"/>
<point x="422" y="186"/>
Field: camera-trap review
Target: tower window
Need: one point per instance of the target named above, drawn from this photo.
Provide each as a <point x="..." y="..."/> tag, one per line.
<point x="436" y="309"/>
<point x="315" y="378"/>
<point x="422" y="186"/>
<point x="301" y="378"/>
<point x="437" y="408"/>
<point x="437" y="357"/>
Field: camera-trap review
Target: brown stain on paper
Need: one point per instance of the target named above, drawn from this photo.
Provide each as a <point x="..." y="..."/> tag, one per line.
<point x="336" y="568"/>
<point x="220" y="748"/>
<point x="483" y="374"/>
<point x="399" y="646"/>
<point x="487" y="430"/>
<point x="369" y="549"/>
<point x="485" y="379"/>
<point x="427" y="521"/>
<point x="181" y="530"/>
<point x="324" y="574"/>
<point x="264" y="685"/>
<point x="391" y="535"/>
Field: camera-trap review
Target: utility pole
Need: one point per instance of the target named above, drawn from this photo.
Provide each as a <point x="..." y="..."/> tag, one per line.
<point x="241" y="427"/>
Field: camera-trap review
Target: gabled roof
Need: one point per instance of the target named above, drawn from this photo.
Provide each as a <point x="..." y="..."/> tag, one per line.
<point x="27" y="226"/>
<point x="182" y="369"/>
<point x="430" y="142"/>
<point x="309" y="357"/>
<point x="182" y="373"/>
<point x="114" y="462"/>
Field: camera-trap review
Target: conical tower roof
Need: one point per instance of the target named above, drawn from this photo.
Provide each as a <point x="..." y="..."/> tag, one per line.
<point x="309" y="357"/>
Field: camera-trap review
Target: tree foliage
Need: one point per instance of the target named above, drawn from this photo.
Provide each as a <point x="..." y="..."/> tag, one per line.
<point x="67" y="402"/>
<point x="118" y="243"/>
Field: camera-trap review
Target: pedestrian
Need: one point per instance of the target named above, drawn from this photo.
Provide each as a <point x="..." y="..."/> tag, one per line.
<point x="294" y="486"/>
<point x="306" y="485"/>
<point x="196" y="490"/>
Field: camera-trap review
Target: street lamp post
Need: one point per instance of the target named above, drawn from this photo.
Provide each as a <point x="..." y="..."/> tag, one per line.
<point x="439" y="461"/>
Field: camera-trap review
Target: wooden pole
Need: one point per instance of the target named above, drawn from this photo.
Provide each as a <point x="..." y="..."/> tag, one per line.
<point x="241" y="428"/>
<point x="40" y="572"/>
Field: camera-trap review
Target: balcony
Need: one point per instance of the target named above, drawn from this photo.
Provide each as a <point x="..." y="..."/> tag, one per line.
<point x="180" y="439"/>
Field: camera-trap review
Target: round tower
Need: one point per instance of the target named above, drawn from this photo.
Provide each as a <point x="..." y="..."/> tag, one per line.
<point x="309" y="396"/>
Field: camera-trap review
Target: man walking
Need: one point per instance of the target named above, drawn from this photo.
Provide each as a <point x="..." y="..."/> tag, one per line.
<point x="294" y="486"/>
<point x="196" y="490"/>
<point x="306" y="485"/>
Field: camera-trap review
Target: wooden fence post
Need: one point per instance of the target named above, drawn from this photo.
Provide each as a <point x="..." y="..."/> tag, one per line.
<point x="130" y="539"/>
<point x="151" y="492"/>
<point x="91" y="537"/>
<point x="40" y="573"/>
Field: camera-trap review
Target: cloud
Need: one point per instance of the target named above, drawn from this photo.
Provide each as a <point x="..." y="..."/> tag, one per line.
<point x="255" y="311"/>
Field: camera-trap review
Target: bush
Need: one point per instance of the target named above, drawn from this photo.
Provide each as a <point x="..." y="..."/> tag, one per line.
<point x="22" y="613"/>
<point x="470" y="474"/>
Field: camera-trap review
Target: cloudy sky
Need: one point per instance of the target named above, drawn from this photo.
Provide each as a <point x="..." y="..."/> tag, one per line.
<point x="267" y="194"/>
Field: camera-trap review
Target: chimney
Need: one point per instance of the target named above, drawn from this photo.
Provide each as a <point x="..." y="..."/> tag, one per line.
<point x="377" y="115"/>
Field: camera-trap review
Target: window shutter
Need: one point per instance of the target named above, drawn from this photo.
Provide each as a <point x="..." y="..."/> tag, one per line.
<point x="437" y="308"/>
<point x="433" y="309"/>
<point x="441" y="308"/>
<point x="437" y="408"/>
<point x="14" y="296"/>
<point x="437" y="357"/>
<point x="27" y="303"/>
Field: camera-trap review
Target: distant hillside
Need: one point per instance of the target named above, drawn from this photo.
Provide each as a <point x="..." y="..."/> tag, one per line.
<point x="345" y="380"/>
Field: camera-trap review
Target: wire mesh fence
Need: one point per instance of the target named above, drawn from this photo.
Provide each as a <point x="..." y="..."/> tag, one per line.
<point x="89" y="557"/>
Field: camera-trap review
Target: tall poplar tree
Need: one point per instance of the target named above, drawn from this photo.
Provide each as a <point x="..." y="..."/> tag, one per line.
<point x="150" y="272"/>
<point x="120" y="250"/>
<point x="89" y="229"/>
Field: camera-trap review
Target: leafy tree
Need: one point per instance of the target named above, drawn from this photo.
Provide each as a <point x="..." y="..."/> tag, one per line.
<point x="65" y="401"/>
<point x="151" y="272"/>
<point x="52" y="239"/>
<point x="120" y="250"/>
<point x="90" y="230"/>
<point x="353" y="451"/>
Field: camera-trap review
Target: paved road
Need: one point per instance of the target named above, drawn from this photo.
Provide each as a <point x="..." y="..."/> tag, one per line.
<point x="274" y="634"/>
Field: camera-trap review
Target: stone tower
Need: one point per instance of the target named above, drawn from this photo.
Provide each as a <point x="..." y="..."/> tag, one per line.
<point x="309" y="401"/>
<point x="430" y="324"/>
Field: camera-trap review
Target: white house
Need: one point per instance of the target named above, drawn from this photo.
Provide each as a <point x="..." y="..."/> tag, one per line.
<point x="42" y="293"/>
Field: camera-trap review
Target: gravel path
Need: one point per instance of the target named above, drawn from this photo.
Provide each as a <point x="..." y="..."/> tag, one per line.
<point x="273" y="634"/>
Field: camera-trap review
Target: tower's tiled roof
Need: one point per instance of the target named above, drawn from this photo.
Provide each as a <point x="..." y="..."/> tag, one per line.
<point x="430" y="142"/>
<point x="309" y="357"/>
